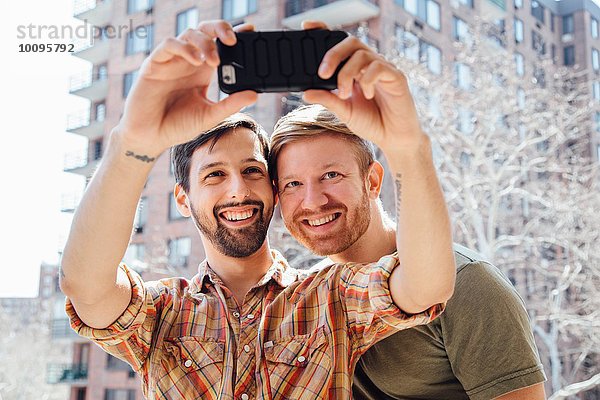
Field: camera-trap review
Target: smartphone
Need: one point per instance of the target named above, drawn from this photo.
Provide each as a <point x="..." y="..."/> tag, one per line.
<point x="277" y="61"/>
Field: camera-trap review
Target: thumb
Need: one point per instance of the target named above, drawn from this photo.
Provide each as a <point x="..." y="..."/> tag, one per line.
<point x="332" y="102"/>
<point x="232" y="104"/>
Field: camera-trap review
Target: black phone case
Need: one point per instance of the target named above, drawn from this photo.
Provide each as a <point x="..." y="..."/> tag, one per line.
<point x="277" y="61"/>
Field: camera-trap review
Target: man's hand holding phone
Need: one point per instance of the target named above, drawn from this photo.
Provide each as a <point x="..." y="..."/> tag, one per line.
<point x="168" y="103"/>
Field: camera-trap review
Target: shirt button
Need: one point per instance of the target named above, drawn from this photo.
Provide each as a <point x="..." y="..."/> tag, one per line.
<point x="247" y="348"/>
<point x="301" y="359"/>
<point x="245" y="396"/>
<point x="187" y="363"/>
<point x="250" y="316"/>
<point x="236" y="314"/>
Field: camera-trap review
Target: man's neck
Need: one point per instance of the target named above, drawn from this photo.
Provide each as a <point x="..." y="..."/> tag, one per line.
<point x="239" y="275"/>
<point x="379" y="240"/>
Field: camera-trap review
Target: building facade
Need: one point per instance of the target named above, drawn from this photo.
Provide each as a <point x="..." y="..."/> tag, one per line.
<point x="126" y="31"/>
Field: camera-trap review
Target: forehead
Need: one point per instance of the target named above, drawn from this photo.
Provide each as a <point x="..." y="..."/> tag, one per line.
<point x="318" y="152"/>
<point x="233" y="147"/>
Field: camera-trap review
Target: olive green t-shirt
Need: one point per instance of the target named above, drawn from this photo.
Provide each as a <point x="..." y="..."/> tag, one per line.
<point x="481" y="347"/>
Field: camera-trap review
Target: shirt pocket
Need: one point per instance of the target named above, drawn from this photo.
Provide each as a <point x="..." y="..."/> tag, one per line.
<point x="194" y="365"/>
<point x="300" y="365"/>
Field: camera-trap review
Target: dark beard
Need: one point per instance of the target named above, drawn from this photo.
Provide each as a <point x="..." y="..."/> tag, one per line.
<point x="238" y="243"/>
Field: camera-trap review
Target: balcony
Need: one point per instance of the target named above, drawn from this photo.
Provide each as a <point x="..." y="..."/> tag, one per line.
<point x="82" y="124"/>
<point x="78" y="163"/>
<point x="67" y="373"/>
<point x="95" y="12"/>
<point x="94" y="50"/>
<point x="493" y="10"/>
<point x="68" y="203"/>
<point x="92" y="86"/>
<point x="333" y="13"/>
<point x="61" y="329"/>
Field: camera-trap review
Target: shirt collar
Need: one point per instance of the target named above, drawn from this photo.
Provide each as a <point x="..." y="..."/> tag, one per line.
<point x="280" y="272"/>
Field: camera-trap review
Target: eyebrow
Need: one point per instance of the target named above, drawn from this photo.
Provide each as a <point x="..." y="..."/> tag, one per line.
<point x="325" y="166"/>
<point x="221" y="164"/>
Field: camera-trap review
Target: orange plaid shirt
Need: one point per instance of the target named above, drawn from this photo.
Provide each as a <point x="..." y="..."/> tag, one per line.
<point x="298" y="335"/>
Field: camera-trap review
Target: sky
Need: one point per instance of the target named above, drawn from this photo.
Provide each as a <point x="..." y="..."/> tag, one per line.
<point x="34" y="100"/>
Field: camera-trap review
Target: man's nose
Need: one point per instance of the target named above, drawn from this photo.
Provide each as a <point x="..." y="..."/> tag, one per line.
<point x="238" y="188"/>
<point x="314" y="197"/>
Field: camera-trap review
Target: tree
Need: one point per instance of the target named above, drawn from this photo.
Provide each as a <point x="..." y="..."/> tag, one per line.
<point x="514" y="159"/>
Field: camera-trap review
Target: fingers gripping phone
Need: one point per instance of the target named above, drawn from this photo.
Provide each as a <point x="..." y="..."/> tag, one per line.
<point x="277" y="61"/>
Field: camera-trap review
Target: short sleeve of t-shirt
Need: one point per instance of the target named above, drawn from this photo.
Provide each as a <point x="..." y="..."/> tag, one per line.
<point x="487" y="335"/>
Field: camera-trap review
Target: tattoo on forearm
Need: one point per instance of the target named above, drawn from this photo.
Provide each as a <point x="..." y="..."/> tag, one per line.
<point x="143" y="158"/>
<point x="398" y="183"/>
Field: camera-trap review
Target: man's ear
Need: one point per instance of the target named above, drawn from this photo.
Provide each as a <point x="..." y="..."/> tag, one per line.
<point x="375" y="179"/>
<point x="275" y="194"/>
<point x="182" y="200"/>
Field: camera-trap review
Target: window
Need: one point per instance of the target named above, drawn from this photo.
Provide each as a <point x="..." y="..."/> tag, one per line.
<point x="518" y="3"/>
<point x="141" y="215"/>
<point x="465" y="121"/>
<point x="432" y="56"/>
<point x="235" y="9"/>
<point x="518" y="27"/>
<point x="468" y="3"/>
<point x="128" y="80"/>
<point x="595" y="60"/>
<point x="140" y="40"/>
<point x="460" y="30"/>
<point x="101" y="72"/>
<point x="134" y="6"/>
<point x="552" y="21"/>
<point x="569" y="55"/>
<point x="426" y="10"/>
<point x="537" y="10"/>
<point x="179" y="251"/>
<point x="408" y="44"/>
<point x="520" y="64"/>
<point x="597" y="120"/>
<point x="186" y="19"/>
<point x="135" y="254"/>
<point x="567" y="24"/>
<point x="97" y="154"/>
<point x="100" y="111"/>
<point x="462" y="76"/>
<point x="433" y="15"/>
<point x="119" y="394"/>
<point x="539" y="76"/>
<point x="80" y="394"/>
<point x="537" y="43"/>
<point x="598" y="152"/>
<point x="113" y="362"/>
<point x="174" y="213"/>
<point x="594" y="28"/>
<point x="596" y="90"/>
<point x="553" y="52"/>
<point x="521" y="99"/>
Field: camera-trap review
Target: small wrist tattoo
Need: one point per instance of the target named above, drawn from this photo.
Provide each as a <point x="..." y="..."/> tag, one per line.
<point x="143" y="158"/>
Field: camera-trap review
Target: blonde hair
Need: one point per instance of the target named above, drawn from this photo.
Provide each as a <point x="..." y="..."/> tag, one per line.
<point x="309" y="121"/>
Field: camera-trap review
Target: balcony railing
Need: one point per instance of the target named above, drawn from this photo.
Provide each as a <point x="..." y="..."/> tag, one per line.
<point x="67" y="373"/>
<point x="294" y="7"/>
<point x="68" y="203"/>
<point x="61" y="329"/>
<point x="85" y="80"/>
<point x="76" y="159"/>
<point x="81" y="6"/>
<point x="78" y="119"/>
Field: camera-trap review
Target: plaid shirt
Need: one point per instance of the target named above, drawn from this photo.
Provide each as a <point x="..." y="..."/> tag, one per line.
<point x="296" y="336"/>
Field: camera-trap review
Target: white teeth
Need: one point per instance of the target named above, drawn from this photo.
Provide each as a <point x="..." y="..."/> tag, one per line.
<point x="237" y="216"/>
<point x="321" y="221"/>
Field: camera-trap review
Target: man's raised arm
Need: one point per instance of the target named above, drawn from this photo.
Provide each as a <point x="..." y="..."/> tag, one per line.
<point x="167" y="106"/>
<point x="374" y="101"/>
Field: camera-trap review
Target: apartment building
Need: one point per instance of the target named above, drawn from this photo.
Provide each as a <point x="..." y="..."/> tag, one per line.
<point x="164" y="243"/>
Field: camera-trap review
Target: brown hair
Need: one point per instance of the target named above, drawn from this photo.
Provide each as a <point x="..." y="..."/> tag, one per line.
<point x="310" y="121"/>
<point x="181" y="154"/>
